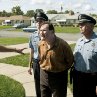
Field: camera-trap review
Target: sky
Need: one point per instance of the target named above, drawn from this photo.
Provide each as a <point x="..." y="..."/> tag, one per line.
<point x="81" y="6"/>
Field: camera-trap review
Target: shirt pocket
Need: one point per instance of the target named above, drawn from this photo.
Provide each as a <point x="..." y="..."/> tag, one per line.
<point x="92" y="53"/>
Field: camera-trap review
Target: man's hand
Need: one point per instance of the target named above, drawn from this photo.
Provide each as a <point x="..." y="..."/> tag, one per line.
<point x="20" y="50"/>
<point x="29" y="71"/>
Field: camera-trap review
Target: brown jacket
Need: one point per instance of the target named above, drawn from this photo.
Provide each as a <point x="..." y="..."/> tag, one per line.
<point x="56" y="59"/>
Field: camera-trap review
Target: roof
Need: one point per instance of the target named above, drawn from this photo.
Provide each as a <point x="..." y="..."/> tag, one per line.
<point x="50" y="16"/>
<point x="15" y="17"/>
<point x="4" y="18"/>
<point x="19" y="17"/>
<point x="62" y="16"/>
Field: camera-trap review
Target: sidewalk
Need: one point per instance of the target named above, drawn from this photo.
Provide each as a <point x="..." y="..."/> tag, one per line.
<point x="20" y="73"/>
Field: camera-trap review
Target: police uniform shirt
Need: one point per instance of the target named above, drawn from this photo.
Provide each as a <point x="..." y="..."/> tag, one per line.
<point x="85" y="54"/>
<point x="33" y="43"/>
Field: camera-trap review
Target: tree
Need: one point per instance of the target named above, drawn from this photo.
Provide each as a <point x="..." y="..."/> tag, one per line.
<point x="17" y="11"/>
<point x="67" y="11"/>
<point x="39" y="10"/>
<point x="0" y="13"/>
<point x="52" y="12"/>
<point x="71" y="12"/>
<point x="94" y="15"/>
<point x="4" y="13"/>
<point x="9" y="14"/>
<point x="30" y="13"/>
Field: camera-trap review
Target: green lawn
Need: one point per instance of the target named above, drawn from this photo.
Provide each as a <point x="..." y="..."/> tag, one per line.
<point x="4" y="27"/>
<point x="19" y="60"/>
<point x="7" y="27"/>
<point x="10" y="87"/>
<point x="58" y="29"/>
<point x="67" y="29"/>
<point x="13" y="41"/>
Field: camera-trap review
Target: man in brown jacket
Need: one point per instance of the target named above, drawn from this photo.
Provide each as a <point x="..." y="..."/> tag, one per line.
<point x="56" y="58"/>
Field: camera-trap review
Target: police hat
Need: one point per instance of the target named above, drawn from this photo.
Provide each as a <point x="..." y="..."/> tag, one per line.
<point x="83" y="18"/>
<point x="41" y="15"/>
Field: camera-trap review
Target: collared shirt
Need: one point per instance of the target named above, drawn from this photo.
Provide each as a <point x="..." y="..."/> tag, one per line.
<point x="56" y="59"/>
<point x="33" y="43"/>
<point x="85" y="54"/>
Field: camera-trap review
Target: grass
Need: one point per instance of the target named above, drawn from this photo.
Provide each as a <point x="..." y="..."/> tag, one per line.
<point x="4" y="27"/>
<point x="19" y="60"/>
<point x="67" y="29"/>
<point x="8" y="28"/>
<point x="72" y="46"/>
<point x="58" y="29"/>
<point x="13" y="41"/>
<point x="10" y="87"/>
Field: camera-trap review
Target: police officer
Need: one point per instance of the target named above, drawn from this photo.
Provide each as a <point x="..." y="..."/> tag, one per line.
<point x="40" y="18"/>
<point x="85" y="57"/>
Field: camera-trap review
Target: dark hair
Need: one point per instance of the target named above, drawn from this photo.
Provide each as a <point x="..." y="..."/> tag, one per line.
<point x="50" y="26"/>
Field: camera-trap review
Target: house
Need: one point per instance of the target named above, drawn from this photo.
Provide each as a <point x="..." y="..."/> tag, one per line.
<point x="20" y="19"/>
<point x="61" y="19"/>
<point x="2" y="19"/>
<point x="64" y="19"/>
<point x="16" y="19"/>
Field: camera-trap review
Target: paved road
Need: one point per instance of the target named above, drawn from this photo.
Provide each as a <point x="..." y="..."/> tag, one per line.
<point x="65" y="36"/>
<point x="71" y="37"/>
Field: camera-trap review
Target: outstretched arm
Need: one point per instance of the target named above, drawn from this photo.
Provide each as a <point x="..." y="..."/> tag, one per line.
<point x="5" y="49"/>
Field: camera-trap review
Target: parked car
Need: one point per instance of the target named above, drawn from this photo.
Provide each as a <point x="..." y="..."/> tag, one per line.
<point x="20" y="25"/>
<point x="30" y="29"/>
